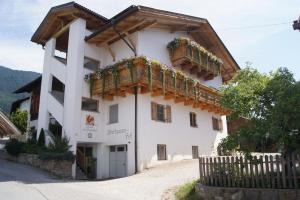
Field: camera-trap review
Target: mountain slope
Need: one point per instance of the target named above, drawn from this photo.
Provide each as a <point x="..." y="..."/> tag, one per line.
<point x="10" y="80"/>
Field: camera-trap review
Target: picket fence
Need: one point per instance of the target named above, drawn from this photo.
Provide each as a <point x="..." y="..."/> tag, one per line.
<point x="267" y="171"/>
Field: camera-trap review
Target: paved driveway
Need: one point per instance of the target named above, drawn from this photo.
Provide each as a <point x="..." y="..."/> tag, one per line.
<point x="26" y="183"/>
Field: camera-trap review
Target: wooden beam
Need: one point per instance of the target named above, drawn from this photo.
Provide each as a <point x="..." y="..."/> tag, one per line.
<point x="113" y="55"/>
<point x="62" y="30"/>
<point x="124" y="31"/>
<point x="179" y="99"/>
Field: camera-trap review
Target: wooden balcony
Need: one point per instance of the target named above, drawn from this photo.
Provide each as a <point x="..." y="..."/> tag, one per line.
<point x="160" y="80"/>
<point x="192" y="57"/>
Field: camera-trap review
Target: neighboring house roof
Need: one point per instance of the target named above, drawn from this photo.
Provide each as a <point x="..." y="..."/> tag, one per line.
<point x="16" y="104"/>
<point x="30" y="86"/>
<point x="7" y="127"/>
<point x="61" y="15"/>
<point x="136" y="18"/>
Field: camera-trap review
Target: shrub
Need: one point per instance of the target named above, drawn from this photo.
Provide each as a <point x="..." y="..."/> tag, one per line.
<point x="30" y="147"/>
<point x="41" y="140"/>
<point x="14" y="147"/>
<point x="58" y="149"/>
<point x="19" y="119"/>
<point x="187" y="192"/>
<point x="48" y="155"/>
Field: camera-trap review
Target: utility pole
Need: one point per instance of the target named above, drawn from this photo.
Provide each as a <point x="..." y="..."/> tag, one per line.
<point x="296" y="24"/>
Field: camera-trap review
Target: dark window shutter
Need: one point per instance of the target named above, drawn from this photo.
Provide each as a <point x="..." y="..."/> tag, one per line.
<point x="191" y="120"/>
<point x="168" y="114"/>
<point x="153" y="111"/>
<point x="220" y="125"/>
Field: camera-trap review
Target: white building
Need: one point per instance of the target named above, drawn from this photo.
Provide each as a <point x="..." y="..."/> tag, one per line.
<point x="133" y="120"/>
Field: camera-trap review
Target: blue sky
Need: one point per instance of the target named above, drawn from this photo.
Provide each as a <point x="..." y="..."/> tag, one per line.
<point x="245" y="26"/>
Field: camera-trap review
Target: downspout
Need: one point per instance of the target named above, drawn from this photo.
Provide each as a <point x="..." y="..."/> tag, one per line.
<point x="135" y="102"/>
<point x="135" y="129"/>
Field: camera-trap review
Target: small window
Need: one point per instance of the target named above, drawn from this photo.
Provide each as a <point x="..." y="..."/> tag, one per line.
<point x="195" y="152"/>
<point x="113" y="114"/>
<point x="217" y="124"/>
<point x="193" y="120"/>
<point x="91" y="64"/>
<point x="161" y="152"/>
<point x="160" y="112"/>
<point x="89" y="104"/>
<point x="112" y="148"/>
<point x="121" y="148"/>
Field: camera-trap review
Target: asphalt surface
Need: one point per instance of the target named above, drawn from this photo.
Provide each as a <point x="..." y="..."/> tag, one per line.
<point x="22" y="182"/>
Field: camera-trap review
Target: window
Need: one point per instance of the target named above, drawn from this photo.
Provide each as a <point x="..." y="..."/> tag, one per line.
<point x="161" y="152"/>
<point x="193" y="121"/>
<point x="160" y="112"/>
<point x="113" y="114"/>
<point x="195" y="153"/>
<point x="89" y="104"/>
<point x="217" y="124"/>
<point x="91" y="64"/>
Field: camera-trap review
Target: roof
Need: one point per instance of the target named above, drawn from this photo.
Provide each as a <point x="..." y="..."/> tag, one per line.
<point x="16" y="104"/>
<point x="30" y="86"/>
<point x="136" y="18"/>
<point x="59" y="16"/>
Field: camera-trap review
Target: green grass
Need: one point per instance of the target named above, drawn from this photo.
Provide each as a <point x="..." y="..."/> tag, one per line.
<point x="187" y="192"/>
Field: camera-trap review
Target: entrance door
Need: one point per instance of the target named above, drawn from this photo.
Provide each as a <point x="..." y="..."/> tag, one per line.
<point x="118" y="161"/>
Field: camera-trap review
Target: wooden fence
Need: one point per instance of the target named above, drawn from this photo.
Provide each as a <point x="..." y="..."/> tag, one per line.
<point x="259" y="172"/>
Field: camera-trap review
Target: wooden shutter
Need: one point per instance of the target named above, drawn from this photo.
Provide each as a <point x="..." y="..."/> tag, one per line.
<point x="215" y="123"/>
<point x="153" y="111"/>
<point x="168" y="114"/>
<point x="220" y="125"/>
<point x="191" y="120"/>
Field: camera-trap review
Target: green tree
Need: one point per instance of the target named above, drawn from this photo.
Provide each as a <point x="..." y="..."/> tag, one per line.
<point x="271" y="103"/>
<point x="41" y="140"/>
<point x="19" y="119"/>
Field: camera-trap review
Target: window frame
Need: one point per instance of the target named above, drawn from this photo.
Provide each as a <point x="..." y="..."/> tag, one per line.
<point x="160" y="112"/>
<point x="193" y="120"/>
<point x="109" y="114"/>
<point x="217" y="124"/>
<point x="164" y="156"/>
<point x="92" y="59"/>
<point x="197" y="154"/>
<point x="86" y="98"/>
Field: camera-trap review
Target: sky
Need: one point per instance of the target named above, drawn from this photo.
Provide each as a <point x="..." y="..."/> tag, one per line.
<point x="254" y="31"/>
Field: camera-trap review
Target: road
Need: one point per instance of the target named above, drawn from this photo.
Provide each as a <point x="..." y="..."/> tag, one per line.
<point x="24" y="182"/>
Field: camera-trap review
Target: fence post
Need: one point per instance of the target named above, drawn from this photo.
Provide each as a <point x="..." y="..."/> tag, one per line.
<point x="262" y="171"/>
<point x="251" y="173"/>
<point x="229" y="172"/>
<point x="224" y="173"/>
<point x="220" y="172"/>
<point x="283" y="172"/>
<point x="247" y="172"/>
<point x="242" y="171"/>
<point x="237" y="171"/>
<point x="278" y="172"/>
<point x="256" y="171"/>
<point x="233" y="172"/>
<point x="272" y="172"/>
<point x="288" y="161"/>
<point x="294" y="172"/>
<point x="200" y="169"/>
<point x="267" y="170"/>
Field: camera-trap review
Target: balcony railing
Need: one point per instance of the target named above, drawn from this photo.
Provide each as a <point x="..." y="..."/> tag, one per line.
<point x="151" y="76"/>
<point x="190" y="56"/>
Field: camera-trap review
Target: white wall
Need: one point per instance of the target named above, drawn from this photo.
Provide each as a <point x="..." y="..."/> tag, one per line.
<point x="178" y="135"/>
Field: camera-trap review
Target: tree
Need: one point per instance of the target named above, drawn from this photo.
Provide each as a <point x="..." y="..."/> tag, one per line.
<point x="271" y="103"/>
<point x="19" y="119"/>
<point x="41" y="141"/>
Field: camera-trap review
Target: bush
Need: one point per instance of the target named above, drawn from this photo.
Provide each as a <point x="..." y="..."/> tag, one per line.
<point x="187" y="192"/>
<point x="19" y="119"/>
<point x="30" y="147"/>
<point x="48" y="155"/>
<point x="41" y="141"/>
<point x="58" y="144"/>
<point x="14" y="147"/>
